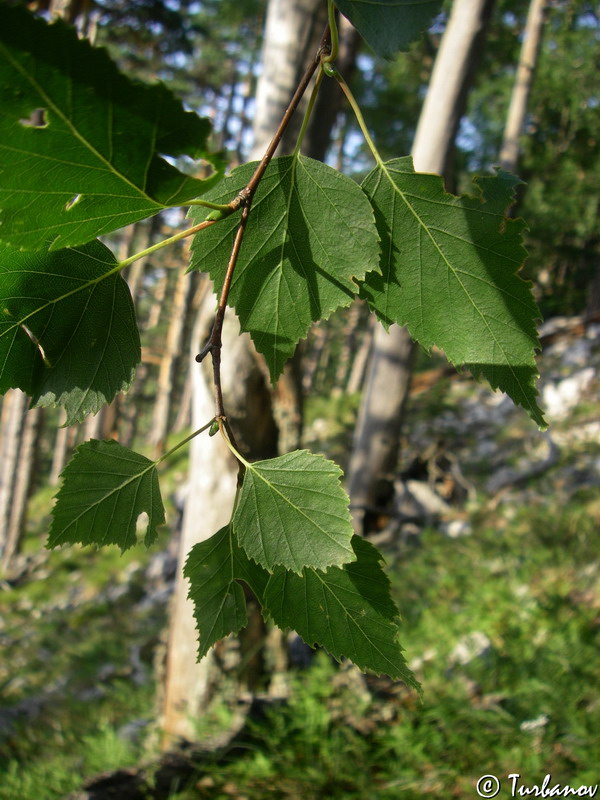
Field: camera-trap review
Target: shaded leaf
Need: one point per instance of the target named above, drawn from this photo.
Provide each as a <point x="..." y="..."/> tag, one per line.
<point x="214" y="569"/>
<point x="348" y="611"/>
<point x="389" y="25"/>
<point x="105" y="488"/>
<point x="293" y="511"/>
<point x="68" y="334"/>
<point x="310" y="233"/>
<point x="449" y="272"/>
<point x="94" y="165"/>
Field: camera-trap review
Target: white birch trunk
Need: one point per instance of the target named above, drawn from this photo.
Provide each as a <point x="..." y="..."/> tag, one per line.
<point x="509" y="152"/>
<point x="377" y="436"/>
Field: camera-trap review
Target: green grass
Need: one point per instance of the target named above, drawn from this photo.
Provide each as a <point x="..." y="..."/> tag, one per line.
<point x="527" y="579"/>
<point x="531" y="704"/>
<point x="67" y="678"/>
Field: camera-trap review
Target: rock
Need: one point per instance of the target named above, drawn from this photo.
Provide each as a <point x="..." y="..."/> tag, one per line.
<point x="562" y="396"/>
<point x="456" y="528"/>
<point x="134" y="730"/>
<point x="124" y="784"/>
<point x="470" y="647"/>
<point x="417" y="501"/>
<point x="534" y="724"/>
<point x="525" y="470"/>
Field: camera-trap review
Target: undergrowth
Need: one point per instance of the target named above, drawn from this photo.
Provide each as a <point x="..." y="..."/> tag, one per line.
<point x="501" y="628"/>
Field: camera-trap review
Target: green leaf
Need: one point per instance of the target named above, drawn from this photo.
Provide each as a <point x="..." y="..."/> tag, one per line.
<point x="214" y="569"/>
<point x="450" y="274"/>
<point x="293" y="512"/>
<point x="311" y="232"/>
<point x="94" y="166"/>
<point x="348" y="611"/>
<point x="68" y="333"/>
<point x="105" y="488"/>
<point x="389" y="25"/>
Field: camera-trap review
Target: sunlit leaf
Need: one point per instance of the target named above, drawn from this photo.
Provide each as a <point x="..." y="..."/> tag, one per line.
<point x="449" y="272"/>
<point x="293" y="511"/>
<point x="311" y="233"/>
<point x="214" y="569"/>
<point x="105" y="488"/>
<point x="94" y="164"/>
<point x="346" y="610"/>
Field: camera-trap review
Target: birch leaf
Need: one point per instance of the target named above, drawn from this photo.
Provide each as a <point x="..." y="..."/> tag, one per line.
<point x="214" y="569"/>
<point x="105" y="488"/>
<point x="389" y="25"/>
<point x="310" y="235"/>
<point x="94" y="165"/>
<point x="293" y="511"/>
<point x="449" y="272"/>
<point x="68" y="334"/>
<point x="347" y="610"/>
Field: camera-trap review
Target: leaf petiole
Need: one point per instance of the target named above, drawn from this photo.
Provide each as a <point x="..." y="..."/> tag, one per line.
<point x="332" y="72"/>
<point x="183" y="442"/>
<point x="308" y="113"/>
<point x="208" y="204"/>
<point x="166" y="242"/>
<point x="333" y="31"/>
<point x="227" y="441"/>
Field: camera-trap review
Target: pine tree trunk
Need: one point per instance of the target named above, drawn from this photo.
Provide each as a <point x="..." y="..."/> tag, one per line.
<point x="376" y="442"/>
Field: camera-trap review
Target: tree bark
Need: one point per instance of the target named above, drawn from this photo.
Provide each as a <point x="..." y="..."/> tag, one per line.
<point x="509" y="152"/>
<point x="59" y="454"/>
<point x="22" y="484"/>
<point x="210" y="496"/>
<point x="377" y="437"/>
<point x="14" y="409"/>
<point x="293" y="31"/>
<point x="182" y="297"/>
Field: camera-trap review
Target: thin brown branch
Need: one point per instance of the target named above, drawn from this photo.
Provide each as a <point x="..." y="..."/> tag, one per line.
<point x="322" y="50"/>
<point x="244" y="200"/>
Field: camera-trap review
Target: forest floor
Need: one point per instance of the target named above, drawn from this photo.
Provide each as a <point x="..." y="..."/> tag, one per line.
<point x="492" y="550"/>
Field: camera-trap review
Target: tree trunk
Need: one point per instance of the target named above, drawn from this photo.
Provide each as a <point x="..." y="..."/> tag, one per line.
<point x="59" y="454"/>
<point x="184" y="413"/>
<point x="22" y="484"/>
<point x="182" y="297"/>
<point x="293" y="31"/>
<point x="157" y="307"/>
<point x="14" y="409"/>
<point x="330" y="99"/>
<point x="210" y="496"/>
<point x="509" y="152"/>
<point x="349" y="346"/>
<point x="376" y="442"/>
<point x="359" y="364"/>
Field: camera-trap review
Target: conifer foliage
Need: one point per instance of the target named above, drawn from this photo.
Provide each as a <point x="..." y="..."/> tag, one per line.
<point x="287" y="241"/>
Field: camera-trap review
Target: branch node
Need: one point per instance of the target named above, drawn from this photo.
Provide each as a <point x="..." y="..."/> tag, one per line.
<point x="208" y="347"/>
